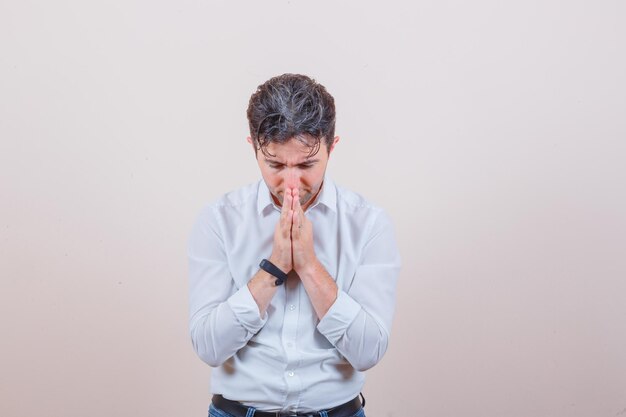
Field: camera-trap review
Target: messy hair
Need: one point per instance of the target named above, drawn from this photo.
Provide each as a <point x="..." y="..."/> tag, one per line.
<point x="291" y="106"/>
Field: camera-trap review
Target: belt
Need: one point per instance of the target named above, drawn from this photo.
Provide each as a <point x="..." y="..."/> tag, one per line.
<point x="239" y="410"/>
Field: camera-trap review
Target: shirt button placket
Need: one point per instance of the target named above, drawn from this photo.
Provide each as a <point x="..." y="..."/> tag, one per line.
<point x="290" y="328"/>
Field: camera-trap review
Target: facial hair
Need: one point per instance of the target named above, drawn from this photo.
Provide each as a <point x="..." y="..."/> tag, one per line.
<point x="304" y="198"/>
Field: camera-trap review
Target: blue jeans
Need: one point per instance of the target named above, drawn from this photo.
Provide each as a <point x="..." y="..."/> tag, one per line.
<point x="216" y="412"/>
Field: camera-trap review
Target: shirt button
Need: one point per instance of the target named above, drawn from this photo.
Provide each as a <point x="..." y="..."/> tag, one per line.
<point x="290" y="373"/>
<point x="292" y="307"/>
<point x="289" y="345"/>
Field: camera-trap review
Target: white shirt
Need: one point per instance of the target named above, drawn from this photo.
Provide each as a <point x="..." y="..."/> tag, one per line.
<point x="290" y="360"/>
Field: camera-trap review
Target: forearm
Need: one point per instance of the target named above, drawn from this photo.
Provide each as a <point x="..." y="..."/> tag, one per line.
<point x="262" y="287"/>
<point x="320" y="287"/>
<point x="356" y="334"/>
<point x="358" y="324"/>
<point x="218" y="333"/>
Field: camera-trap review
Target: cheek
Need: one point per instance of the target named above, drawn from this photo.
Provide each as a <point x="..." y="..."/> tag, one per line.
<point x="274" y="179"/>
<point x="270" y="177"/>
<point x="312" y="179"/>
<point x="306" y="179"/>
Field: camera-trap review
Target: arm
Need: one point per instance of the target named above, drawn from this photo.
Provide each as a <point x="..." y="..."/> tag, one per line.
<point x="358" y="321"/>
<point x="262" y="284"/>
<point x="319" y="285"/>
<point x="223" y="318"/>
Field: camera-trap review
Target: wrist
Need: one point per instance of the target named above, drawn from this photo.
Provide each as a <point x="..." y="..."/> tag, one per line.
<point x="281" y="265"/>
<point x="309" y="268"/>
<point x="273" y="270"/>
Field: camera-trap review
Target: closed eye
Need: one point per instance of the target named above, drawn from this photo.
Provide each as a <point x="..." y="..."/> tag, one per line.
<point x="281" y="166"/>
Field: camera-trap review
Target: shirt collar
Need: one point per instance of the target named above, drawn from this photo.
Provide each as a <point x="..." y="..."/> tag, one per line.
<point x="326" y="197"/>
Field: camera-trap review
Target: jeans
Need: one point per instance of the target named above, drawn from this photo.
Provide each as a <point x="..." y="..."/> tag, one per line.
<point x="216" y="412"/>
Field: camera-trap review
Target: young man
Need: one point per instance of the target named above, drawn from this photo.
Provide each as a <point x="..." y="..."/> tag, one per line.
<point x="293" y="278"/>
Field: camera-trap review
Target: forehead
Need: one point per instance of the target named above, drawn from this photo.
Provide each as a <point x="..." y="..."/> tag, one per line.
<point x="293" y="149"/>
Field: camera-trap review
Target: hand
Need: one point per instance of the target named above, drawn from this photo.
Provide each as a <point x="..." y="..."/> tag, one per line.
<point x="301" y="237"/>
<point x="281" y="251"/>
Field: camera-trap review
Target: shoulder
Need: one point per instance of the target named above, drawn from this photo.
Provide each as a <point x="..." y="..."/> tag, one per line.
<point x="367" y="223"/>
<point x="360" y="212"/>
<point x="238" y="198"/>
<point x="352" y="202"/>
<point x="234" y="203"/>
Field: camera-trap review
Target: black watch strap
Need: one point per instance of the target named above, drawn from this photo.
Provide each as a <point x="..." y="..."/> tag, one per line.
<point x="273" y="270"/>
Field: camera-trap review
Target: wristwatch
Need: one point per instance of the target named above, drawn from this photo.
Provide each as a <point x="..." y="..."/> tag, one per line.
<point x="273" y="270"/>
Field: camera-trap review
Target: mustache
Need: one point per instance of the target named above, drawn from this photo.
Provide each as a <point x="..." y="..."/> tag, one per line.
<point x="304" y="196"/>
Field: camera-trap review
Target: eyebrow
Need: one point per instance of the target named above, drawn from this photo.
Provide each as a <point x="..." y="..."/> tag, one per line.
<point x="307" y="162"/>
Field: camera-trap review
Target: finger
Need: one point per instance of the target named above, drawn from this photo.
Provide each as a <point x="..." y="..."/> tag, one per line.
<point x="289" y="228"/>
<point x="287" y="203"/>
<point x="296" y="197"/>
<point x="295" y="230"/>
<point x="299" y="213"/>
<point x="296" y="202"/>
<point x="287" y="199"/>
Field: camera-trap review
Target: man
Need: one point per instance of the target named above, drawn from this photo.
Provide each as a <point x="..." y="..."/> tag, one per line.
<point x="293" y="278"/>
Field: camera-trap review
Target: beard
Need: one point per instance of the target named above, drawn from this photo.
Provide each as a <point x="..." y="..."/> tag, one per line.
<point x="305" y="197"/>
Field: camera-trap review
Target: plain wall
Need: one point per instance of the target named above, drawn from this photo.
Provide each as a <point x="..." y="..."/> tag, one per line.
<point x="494" y="133"/>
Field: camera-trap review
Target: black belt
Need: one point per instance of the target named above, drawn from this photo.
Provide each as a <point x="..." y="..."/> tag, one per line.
<point x="239" y="410"/>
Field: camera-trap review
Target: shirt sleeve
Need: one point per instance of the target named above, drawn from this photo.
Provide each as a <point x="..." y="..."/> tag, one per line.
<point x="358" y="323"/>
<point x="222" y="317"/>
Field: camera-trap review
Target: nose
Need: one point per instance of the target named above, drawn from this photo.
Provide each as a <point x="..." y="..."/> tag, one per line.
<point x="292" y="178"/>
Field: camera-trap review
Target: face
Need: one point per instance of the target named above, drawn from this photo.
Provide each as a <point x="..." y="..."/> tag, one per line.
<point x="291" y="167"/>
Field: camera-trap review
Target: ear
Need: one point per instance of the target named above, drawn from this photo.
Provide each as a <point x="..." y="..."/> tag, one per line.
<point x="251" y="142"/>
<point x="332" y="145"/>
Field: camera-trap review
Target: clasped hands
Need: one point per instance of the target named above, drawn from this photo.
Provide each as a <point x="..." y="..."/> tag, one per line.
<point x="293" y="237"/>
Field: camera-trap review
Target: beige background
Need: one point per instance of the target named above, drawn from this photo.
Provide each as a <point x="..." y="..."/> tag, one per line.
<point x="493" y="132"/>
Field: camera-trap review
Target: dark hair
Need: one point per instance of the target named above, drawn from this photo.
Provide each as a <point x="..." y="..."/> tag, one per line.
<point x="291" y="106"/>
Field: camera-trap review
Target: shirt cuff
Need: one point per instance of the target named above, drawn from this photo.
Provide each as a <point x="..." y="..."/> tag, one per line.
<point x="340" y="315"/>
<point x="246" y="310"/>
